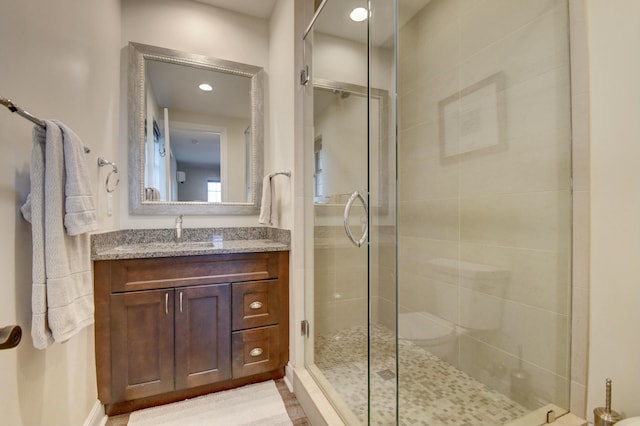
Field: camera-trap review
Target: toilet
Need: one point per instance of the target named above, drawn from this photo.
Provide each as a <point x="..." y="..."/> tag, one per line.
<point x="480" y="290"/>
<point x="430" y="333"/>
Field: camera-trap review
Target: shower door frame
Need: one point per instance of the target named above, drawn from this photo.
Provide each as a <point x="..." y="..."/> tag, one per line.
<point x="383" y="196"/>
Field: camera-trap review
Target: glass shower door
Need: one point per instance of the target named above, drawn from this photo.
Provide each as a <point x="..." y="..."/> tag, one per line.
<point x="484" y="211"/>
<point x="351" y="350"/>
<point x="455" y="310"/>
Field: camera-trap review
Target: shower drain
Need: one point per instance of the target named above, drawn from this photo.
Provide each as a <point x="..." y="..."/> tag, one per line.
<point x="386" y="374"/>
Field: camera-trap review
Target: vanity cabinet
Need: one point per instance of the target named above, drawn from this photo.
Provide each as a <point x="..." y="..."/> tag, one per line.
<point x="174" y="328"/>
<point x="169" y="339"/>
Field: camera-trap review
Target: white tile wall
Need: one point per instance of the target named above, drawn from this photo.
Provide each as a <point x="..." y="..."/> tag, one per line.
<point x="507" y="207"/>
<point x="340" y="279"/>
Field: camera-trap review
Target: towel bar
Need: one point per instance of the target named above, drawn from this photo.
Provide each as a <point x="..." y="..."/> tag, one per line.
<point x="25" y="114"/>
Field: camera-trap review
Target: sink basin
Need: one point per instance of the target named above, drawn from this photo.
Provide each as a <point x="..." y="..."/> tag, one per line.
<point x="170" y="246"/>
<point x="187" y="245"/>
<point x="196" y="244"/>
<point x="123" y="248"/>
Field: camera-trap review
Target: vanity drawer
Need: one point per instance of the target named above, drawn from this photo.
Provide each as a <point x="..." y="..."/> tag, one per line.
<point x="154" y="273"/>
<point x="255" y="304"/>
<point x="255" y="351"/>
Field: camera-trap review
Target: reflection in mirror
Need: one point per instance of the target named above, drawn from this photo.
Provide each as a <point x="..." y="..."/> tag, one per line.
<point x="340" y="124"/>
<point x="196" y="131"/>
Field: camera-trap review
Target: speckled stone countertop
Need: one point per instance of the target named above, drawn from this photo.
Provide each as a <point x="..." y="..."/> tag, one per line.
<point x="147" y="243"/>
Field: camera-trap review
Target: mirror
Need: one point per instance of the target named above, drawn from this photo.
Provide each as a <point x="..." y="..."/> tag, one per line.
<point x="194" y="150"/>
<point x="343" y="120"/>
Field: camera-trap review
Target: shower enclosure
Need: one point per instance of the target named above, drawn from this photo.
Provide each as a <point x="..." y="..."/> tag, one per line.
<point x="440" y="168"/>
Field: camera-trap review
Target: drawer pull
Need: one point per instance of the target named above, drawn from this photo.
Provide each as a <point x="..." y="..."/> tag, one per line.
<point x="256" y="352"/>
<point x="256" y="305"/>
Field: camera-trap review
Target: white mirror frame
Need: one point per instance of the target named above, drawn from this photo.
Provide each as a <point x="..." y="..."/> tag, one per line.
<point x="138" y="53"/>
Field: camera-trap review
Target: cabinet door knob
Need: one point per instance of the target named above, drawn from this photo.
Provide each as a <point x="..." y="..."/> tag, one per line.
<point x="255" y="305"/>
<point x="256" y="352"/>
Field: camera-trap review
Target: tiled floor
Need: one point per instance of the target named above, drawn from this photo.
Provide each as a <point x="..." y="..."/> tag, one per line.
<point x="432" y="392"/>
<point x="294" y="410"/>
<point x="296" y="414"/>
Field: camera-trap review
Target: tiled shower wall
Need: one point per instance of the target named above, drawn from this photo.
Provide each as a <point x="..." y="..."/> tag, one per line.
<point x="490" y="187"/>
<point x="340" y="277"/>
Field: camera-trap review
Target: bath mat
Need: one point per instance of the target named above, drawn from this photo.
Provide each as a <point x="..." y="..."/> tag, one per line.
<point x="256" y="404"/>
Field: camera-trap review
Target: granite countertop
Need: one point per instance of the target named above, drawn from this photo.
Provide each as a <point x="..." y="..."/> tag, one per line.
<point x="148" y="243"/>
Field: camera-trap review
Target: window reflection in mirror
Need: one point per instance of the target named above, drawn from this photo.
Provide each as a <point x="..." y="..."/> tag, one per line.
<point x="198" y="134"/>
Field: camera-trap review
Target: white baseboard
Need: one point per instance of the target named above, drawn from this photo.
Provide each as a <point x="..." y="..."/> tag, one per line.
<point x="288" y="376"/>
<point x="96" y="417"/>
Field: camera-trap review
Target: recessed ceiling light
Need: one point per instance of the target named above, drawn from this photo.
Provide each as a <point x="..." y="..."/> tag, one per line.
<point x="206" y="87"/>
<point x="359" y="14"/>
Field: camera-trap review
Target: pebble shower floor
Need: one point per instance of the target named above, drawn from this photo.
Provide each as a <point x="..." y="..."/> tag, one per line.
<point x="432" y="392"/>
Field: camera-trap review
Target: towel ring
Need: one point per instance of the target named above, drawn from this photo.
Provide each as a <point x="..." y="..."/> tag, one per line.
<point x="110" y="184"/>
<point x="111" y="188"/>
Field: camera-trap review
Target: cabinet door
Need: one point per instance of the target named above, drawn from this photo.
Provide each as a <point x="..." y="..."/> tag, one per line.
<point x="203" y="335"/>
<point x="142" y="343"/>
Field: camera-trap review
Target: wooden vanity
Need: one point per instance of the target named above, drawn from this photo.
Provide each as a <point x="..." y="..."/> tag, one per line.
<point x="170" y="328"/>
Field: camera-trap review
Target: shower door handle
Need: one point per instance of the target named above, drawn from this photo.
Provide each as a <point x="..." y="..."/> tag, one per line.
<point x="347" y="211"/>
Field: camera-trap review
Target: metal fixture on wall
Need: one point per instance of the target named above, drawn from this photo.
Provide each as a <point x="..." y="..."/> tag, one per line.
<point x="35" y="120"/>
<point x="10" y="336"/>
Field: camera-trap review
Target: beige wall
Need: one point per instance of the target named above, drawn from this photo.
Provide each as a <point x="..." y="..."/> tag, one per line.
<point x="280" y="124"/>
<point x="614" y="62"/>
<point x="503" y="212"/>
<point x="59" y="60"/>
<point x="62" y="61"/>
<point x="281" y="151"/>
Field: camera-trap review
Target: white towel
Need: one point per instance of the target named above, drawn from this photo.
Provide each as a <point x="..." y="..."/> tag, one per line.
<point x="152" y="194"/>
<point x="265" y="206"/>
<point x="62" y="296"/>
<point x="79" y="211"/>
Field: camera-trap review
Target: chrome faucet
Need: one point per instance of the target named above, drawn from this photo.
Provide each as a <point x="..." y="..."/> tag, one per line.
<point x="178" y="229"/>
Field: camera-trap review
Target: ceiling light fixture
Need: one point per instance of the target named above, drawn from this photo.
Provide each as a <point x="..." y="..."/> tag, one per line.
<point x="206" y="87"/>
<point x="359" y="14"/>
